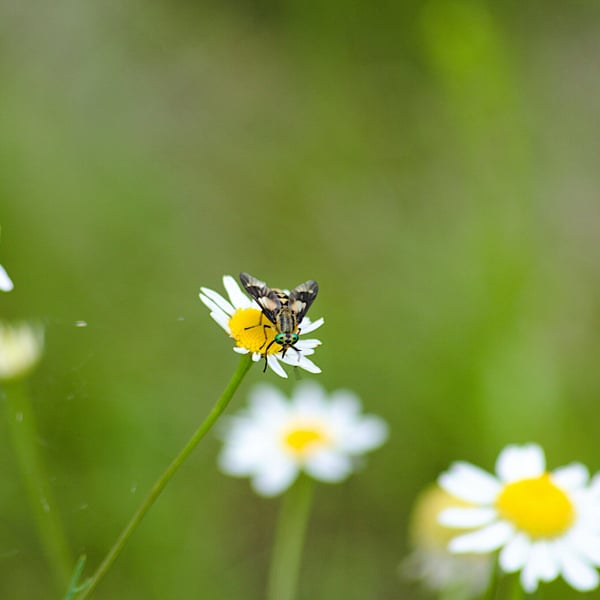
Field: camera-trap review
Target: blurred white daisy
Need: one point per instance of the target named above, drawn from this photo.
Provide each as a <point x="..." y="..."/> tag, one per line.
<point x="243" y="320"/>
<point x="276" y="438"/>
<point x="6" y="284"/>
<point x="20" y="349"/>
<point x="461" y="576"/>
<point x="545" y="524"/>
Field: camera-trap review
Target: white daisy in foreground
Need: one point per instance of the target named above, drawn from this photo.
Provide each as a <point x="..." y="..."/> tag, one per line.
<point x="457" y="575"/>
<point x="20" y="349"/>
<point x="243" y="320"/>
<point x="276" y="438"/>
<point x="545" y="524"/>
<point x="6" y="285"/>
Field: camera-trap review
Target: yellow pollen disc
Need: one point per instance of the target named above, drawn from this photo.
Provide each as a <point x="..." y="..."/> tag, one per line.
<point x="536" y="506"/>
<point x="252" y="330"/>
<point x="302" y="440"/>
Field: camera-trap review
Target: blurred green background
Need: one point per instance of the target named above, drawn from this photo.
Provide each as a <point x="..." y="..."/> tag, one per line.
<point x="434" y="165"/>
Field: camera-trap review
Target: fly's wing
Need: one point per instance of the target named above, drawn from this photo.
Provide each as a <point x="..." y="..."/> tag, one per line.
<point x="266" y="297"/>
<point x="302" y="296"/>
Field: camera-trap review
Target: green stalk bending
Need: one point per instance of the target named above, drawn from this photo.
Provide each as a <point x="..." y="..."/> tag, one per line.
<point x="221" y="404"/>
<point x="289" y="540"/>
<point x="25" y="440"/>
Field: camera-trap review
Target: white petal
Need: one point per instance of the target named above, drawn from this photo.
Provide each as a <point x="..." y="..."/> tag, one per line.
<point x="223" y="304"/>
<point x="543" y="562"/>
<point x="577" y="573"/>
<point x="571" y="477"/>
<point x="470" y="483"/>
<point x="310" y="403"/>
<point x="292" y="357"/>
<point x="309" y="365"/>
<point x="466" y="517"/>
<point x="366" y="434"/>
<point x="240" y="350"/>
<point x="6" y="285"/>
<point x="529" y="579"/>
<point x="586" y="543"/>
<point x="248" y="447"/>
<point x="301" y="361"/>
<point x="344" y="412"/>
<point x="268" y="405"/>
<point x="306" y="326"/>
<point x="216" y="312"/>
<point x="520" y="462"/>
<point x="275" y="366"/>
<point x="208" y="302"/>
<point x="222" y="319"/>
<point x="345" y="406"/>
<point x="237" y="297"/>
<point x="305" y="345"/>
<point x="275" y="477"/>
<point x="328" y="466"/>
<point x="266" y="394"/>
<point x="483" y="540"/>
<point x="304" y="351"/>
<point x="236" y="460"/>
<point x="514" y="555"/>
<point x="309" y="396"/>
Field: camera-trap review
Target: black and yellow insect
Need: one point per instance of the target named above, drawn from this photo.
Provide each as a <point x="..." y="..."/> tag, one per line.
<point x="285" y="311"/>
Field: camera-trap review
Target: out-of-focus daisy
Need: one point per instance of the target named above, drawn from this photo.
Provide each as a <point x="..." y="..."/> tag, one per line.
<point x="465" y="575"/>
<point x="243" y="320"/>
<point x="6" y="284"/>
<point x="545" y="524"/>
<point x="20" y="349"/>
<point x="276" y="438"/>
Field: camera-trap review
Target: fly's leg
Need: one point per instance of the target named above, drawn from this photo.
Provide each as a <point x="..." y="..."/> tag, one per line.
<point x="267" y="348"/>
<point x="265" y="327"/>
<point x="267" y="352"/>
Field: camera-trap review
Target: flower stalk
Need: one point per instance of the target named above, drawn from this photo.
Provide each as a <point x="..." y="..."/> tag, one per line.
<point x="491" y="592"/>
<point x="221" y="404"/>
<point x="515" y="590"/>
<point x="21" y="421"/>
<point x="289" y="540"/>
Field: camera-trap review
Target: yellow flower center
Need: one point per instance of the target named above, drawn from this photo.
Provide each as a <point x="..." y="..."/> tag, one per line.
<point x="304" y="439"/>
<point x="252" y="330"/>
<point x="536" y="506"/>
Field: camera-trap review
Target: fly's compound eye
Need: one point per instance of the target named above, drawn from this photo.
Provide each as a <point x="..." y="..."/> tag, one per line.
<point x="280" y="338"/>
<point x="294" y="337"/>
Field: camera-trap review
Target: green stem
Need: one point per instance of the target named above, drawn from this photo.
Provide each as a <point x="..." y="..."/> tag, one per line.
<point x="25" y="440"/>
<point x="289" y="539"/>
<point x="74" y="586"/>
<point x="516" y="591"/>
<point x="491" y="591"/>
<point x="242" y="368"/>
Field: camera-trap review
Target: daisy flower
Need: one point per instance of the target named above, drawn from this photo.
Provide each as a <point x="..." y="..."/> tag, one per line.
<point x="430" y="562"/>
<point x="545" y="524"/>
<point x="20" y="349"/>
<point x="243" y="320"/>
<point x="6" y="285"/>
<point x="275" y="438"/>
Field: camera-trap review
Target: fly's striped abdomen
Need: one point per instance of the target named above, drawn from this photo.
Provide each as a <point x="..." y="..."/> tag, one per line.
<point x="286" y="321"/>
